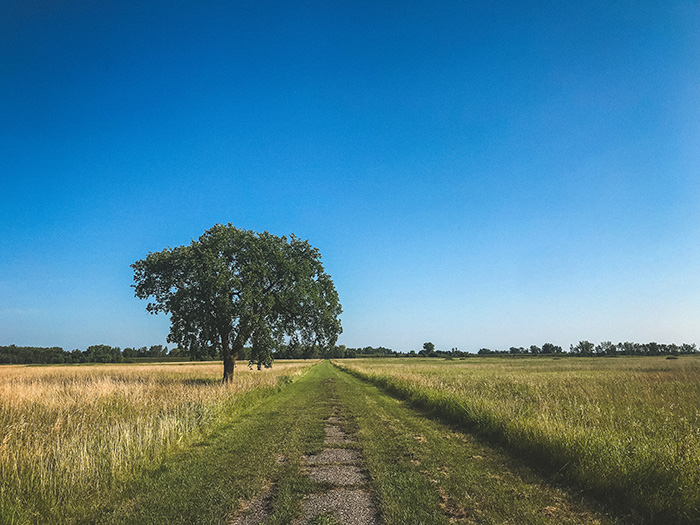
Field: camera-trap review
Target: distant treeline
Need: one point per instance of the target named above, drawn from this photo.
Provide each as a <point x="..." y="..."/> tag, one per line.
<point x="606" y="348"/>
<point x="582" y="349"/>
<point x="113" y="354"/>
<point x="110" y="354"/>
<point x="94" y="354"/>
<point x="292" y="351"/>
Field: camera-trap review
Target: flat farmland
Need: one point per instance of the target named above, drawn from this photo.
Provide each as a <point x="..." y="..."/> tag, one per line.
<point x="626" y="430"/>
<point x="70" y="436"/>
<point x="408" y="440"/>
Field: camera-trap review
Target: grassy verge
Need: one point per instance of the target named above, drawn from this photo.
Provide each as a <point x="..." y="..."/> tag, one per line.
<point x="422" y="471"/>
<point x="623" y="430"/>
<point x="72" y="437"/>
<point x="426" y="472"/>
<point x="261" y="447"/>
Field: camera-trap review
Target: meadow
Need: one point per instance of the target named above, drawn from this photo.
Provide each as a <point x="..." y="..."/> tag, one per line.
<point x="626" y="430"/>
<point x="71" y="436"/>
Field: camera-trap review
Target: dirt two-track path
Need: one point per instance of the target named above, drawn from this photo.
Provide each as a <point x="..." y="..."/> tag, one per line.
<point x="344" y="494"/>
<point x="340" y="468"/>
<point x="382" y="461"/>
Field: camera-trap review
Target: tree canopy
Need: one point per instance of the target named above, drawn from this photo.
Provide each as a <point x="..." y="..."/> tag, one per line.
<point x="233" y="286"/>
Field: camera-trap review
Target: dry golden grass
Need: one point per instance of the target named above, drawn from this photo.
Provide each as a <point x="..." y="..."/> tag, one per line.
<point x="73" y="432"/>
<point x="626" y="428"/>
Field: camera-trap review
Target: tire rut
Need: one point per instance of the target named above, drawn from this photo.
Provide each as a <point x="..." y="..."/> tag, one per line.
<point x="339" y="468"/>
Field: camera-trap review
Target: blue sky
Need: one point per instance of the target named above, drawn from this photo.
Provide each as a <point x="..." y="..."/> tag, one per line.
<point x="476" y="174"/>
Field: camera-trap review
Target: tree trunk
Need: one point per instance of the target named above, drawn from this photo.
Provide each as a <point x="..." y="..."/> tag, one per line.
<point x="229" y="365"/>
<point x="229" y="357"/>
<point x="231" y="352"/>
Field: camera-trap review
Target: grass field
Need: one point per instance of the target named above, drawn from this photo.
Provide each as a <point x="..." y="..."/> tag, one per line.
<point x="422" y="472"/>
<point x="71" y="436"/>
<point x="168" y="443"/>
<point x="625" y="429"/>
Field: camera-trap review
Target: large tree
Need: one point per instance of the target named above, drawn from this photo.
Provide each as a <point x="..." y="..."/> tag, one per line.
<point x="232" y="287"/>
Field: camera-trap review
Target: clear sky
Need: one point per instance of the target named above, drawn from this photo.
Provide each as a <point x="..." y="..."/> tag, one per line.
<point x="476" y="174"/>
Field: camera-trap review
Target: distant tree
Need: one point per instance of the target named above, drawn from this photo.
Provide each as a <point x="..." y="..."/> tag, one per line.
<point x="534" y="349"/>
<point x="583" y="348"/>
<point x="103" y="354"/>
<point x="640" y="349"/>
<point x="310" y="351"/>
<point x="233" y="286"/>
<point x="606" y="348"/>
<point x="176" y="352"/>
<point x="294" y="349"/>
<point x="549" y="348"/>
<point x="688" y="348"/>
<point x="336" y="352"/>
<point x="428" y="348"/>
<point x="626" y="348"/>
<point x="157" y="351"/>
<point x="653" y="348"/>
<point x="370" y="351"/>
<point x="32" y="355"/>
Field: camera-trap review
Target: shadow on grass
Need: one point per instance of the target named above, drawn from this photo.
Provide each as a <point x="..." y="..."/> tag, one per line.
<point x="539" y="460"/>
<point x="200" y="381"/>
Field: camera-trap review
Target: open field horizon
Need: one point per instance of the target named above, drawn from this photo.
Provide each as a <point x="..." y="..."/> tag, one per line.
<point x="278" y="179"/>
<point x="626" y="428"/>
<point x="623" y="433"/>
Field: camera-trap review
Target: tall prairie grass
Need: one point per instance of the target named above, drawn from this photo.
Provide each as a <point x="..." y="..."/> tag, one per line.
<point x="627" y="429"/>
<point x="71" y="435"/>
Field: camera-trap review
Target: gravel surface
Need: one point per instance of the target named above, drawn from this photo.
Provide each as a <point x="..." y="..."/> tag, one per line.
<point x="348" y="506"/>
<point x="348" y="500"/>
<point x="347" y="456"/>
<point x="339" y="475"/>
<point x="335" y="434"/>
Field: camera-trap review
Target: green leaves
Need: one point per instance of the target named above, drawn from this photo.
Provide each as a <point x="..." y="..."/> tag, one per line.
<point x="232" y="286"/>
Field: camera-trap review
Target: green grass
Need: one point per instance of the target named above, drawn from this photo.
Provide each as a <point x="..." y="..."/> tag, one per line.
<point x="261" y="447"/>
<point x="625" y="430"/>
<point x="422" y="471"/>
<point x="427" y="472"/>
<point x="324" y="519"/>
<point x="72" y="437"/>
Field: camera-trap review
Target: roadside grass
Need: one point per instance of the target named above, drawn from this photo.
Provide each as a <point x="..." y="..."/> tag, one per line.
<point x="422" y="471"/>
<point x="72" y="437"/>
<point x="251" y="440"/>
<point x="427" y="472"/>
<point x="626" y="430"/>
<point x="261" y="449"/>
